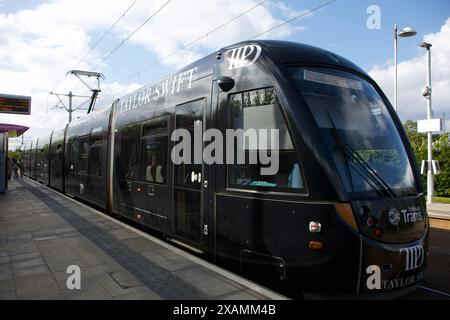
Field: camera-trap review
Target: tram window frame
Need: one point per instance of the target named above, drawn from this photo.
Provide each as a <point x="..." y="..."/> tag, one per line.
<point x="82" y="157"/>
<point x="299" y="191"/>
<point x="71" y="147"/>
<point x="181" y="169"/>
<point x="138" y="133"/>
<point x="159" y="130"/>
<point x="96" y="144"/>
<point x="163" y="129"/>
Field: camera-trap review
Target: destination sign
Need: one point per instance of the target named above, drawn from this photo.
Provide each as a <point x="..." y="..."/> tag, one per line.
<point x="15" y="104"/>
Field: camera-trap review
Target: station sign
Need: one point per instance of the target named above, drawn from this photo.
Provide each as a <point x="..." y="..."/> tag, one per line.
<point x="15" y="104"/>
<point x="432" y="125"/>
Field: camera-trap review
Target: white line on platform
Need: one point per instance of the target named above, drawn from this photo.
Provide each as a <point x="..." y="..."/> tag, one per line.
<point x="216" y="269"/>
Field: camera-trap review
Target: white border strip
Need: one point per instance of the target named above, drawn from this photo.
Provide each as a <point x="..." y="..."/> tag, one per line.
<point x="272" y="295"/>
<point x="439" y="216"/>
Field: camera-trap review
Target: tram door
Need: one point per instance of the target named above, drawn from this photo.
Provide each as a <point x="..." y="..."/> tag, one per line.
<point x="188" y="176"/>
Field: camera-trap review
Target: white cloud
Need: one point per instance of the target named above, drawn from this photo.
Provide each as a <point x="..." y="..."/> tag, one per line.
<point x="168" y="31"/>
<point x="38" y="46"/>
<point x="412" y="79"/>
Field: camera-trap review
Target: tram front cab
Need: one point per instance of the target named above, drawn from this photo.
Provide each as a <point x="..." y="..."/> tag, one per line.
<point x="376" y="167"/>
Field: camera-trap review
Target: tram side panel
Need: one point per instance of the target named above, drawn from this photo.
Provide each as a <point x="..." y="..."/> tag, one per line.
<point x="57" y="159"/>
<point x="33" y="161"/>
<point x="86" y="158"/>
<point x="98" y="163"/>
<point x="39" y="159"/>
<point x="42" y="160"/>
<point x="46" y="166"/>
<point x="143" y="173"/>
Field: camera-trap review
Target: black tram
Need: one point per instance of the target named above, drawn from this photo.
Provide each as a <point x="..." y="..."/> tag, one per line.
<point x="343" y="216"/>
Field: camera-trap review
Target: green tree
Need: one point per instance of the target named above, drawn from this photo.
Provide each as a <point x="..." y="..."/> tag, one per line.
<point x="441" y="152"/>
<point x="16" y="154"/>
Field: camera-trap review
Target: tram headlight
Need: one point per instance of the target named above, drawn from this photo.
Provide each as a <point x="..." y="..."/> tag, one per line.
<point x="315" y="227"/>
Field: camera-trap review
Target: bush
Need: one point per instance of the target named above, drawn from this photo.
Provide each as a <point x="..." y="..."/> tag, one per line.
<point x="441" y="152"/>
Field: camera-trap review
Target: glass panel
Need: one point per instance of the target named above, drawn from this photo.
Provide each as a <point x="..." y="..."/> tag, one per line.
<point x="95" y="156"/>
<point x="188" y="177"/>
<point x="155" y="127"/>
<point x="358" y="129"/>
<point x="188" y="116"/>
<point x="154" y="160"/>
<point x="71" y="149"/>
<point x="129" y="152"/>
<point x="255" y="110"/>
<point x="83" y="147"/>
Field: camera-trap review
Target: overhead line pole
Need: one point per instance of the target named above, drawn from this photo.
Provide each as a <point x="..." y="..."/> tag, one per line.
<point x="71" y="96"/>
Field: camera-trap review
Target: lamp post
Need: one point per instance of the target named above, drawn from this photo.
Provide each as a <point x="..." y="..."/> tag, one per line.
<point x="404" y="33"/>
<point x="427" y="92"/>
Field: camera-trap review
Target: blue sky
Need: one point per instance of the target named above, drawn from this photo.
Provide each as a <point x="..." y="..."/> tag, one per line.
<point x="342" y="28"/>
<point x="42" y="40"/>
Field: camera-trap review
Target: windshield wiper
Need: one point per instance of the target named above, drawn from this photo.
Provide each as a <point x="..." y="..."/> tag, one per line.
<point x="369" y="170"/>
<point x="341" y="148"/>
<point x="349" y="152"/>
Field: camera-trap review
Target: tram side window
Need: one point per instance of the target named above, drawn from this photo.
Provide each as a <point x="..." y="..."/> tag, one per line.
<point x="95" y="156"/>
<point x="154" y="152"/>
<point x="71" y="151"/>
<point x="83" y="146"/>
<point x="129" y="152"/>
<point x="253" y="111"/>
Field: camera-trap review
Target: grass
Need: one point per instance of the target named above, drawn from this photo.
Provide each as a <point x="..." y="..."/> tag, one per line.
<point x="441" y="200"/>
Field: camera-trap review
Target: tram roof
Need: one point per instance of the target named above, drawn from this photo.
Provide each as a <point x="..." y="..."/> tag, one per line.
<point x="299" y="53"/>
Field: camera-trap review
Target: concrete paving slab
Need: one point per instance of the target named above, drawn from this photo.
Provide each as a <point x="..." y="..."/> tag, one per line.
<point x="5" y="272"/>
<point x="116" y="262"/>
<point x="30" y="271"/>
<point x="8" y="295"/>
<point x="6" y="286"/>
<point x="38" y="287"/>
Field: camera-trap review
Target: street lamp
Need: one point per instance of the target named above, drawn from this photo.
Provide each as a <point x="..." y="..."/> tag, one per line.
<point x="404" y="33"/>
<point x="427" y="94"/>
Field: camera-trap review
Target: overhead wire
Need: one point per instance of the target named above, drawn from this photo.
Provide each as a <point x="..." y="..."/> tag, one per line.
<point x="131" y="34"/>
<point x="100" y="39"/>
<point x="107" y="56"/>
<point x="294" y="18"/>
<point x="223" y="25"/>
<point x="194" y="41"/>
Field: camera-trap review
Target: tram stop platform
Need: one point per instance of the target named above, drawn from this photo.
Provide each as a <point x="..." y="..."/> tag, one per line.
<point x="43" y="232"/>
<point x="439" y="211"/>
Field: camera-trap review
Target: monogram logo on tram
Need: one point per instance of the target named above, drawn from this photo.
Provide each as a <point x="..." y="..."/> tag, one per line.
<point x="243" y="56"/>
<point x="415" y="257"/>
<point x="394" y="217"/>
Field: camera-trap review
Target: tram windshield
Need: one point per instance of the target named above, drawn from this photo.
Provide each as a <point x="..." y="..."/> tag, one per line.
<point x="358" y="128"/>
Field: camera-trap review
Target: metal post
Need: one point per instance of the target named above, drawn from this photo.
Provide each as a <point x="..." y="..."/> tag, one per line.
<point x="395" y="63"/>
<point x="70" y="106"/>
<point x="430" y="181"/>
<point x="444" y="127"/>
